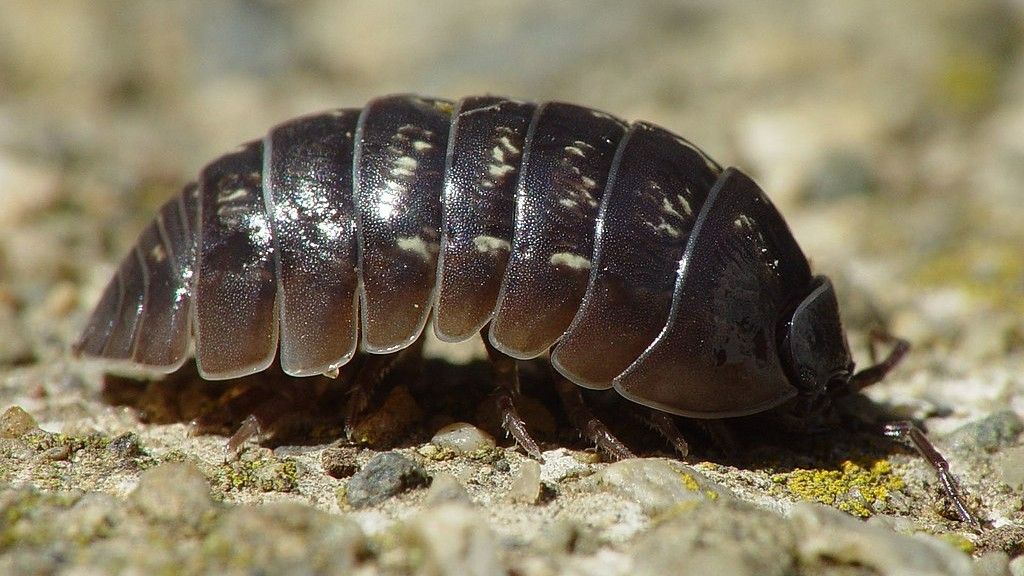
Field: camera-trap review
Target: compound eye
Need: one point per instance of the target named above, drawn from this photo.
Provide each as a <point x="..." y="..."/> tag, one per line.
<point x="838" y="380"/>
<point x="839" y="377"/>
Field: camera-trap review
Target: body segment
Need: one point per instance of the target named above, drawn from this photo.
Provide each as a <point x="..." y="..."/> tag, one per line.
<point x="488" y="136"/>
<point x="399" y="167"/>
<point x="308" y="193"/>
<point x="643" y="226"/>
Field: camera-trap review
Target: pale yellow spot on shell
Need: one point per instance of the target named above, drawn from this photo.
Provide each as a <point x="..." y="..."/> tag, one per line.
<point x="666" y="207"/>
<point x="499" y="170"/>
<point x="574" y="261"/>
<point x="506" y="143"/>
<point x="416" y="245"/>
<point x="575" y="151"/>
<point x="668" y="229"/>
<point x="158" y="253"/>
<point x="485" y="243"/>
<point x="232" y="195"/>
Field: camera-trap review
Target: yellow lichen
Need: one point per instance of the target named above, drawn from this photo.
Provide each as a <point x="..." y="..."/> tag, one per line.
<point x="959" y="541"/>
<point x="852" y="488"/>
<point x="689" y="482"/>
<point x="966" y="80"/>
<point x="263" y="474"/>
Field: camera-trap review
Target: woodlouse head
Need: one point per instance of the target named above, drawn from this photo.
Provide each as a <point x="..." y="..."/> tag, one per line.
<point x="814" y="350"/>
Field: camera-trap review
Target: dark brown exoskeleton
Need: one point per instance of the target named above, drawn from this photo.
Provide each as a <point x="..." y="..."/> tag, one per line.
<point x="624" y="250"/>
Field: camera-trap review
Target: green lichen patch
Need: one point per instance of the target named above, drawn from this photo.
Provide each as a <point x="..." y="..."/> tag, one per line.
<point x="958" y="541"/>
<point x="42" y="441"/>
<point x="23" y="515"/>
<point x="58" y="461"/>
<point x="853" y="488"/>
<point x="170" y="529"/>
<point x="263" y="474"/>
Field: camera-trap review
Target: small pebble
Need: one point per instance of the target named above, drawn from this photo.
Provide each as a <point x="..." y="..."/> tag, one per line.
<point x="452" y="539"/>
<point x="61" y="300"/>
<point x="562" y="463"/>
<point x="173" y="492"/>
<point x="736" y="539"/>
<point x="29" y="188"/>
<point x="15" y="347"/>
<point x="840" y="174"/>
<point x="1017" y="566"/>
<point x="431" y="452"/>
<point x="1010" y="464"/>
<point x="384" y="476"/>
<point x="125" y="446"/>
<point x="445" y="488"/>
<point x="283" y="538"/>
<point x="15" y="423"/>
<point x="391" y="421"/>
<point x="462" y="438"/>
<point x="826" y="535"/>
<point x="526" y="487"/>
<point x="989" y="434"/>
<point x="567" y="535"/>
<point x="995" y="563"/>
<point x="92" y="517"/>
<point x="658" y="485"/>
<point x="339" y="461"/>
<point x="57" y="453"/>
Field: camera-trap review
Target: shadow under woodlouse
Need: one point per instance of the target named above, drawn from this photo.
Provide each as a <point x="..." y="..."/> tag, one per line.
<point x="311" y="411"/>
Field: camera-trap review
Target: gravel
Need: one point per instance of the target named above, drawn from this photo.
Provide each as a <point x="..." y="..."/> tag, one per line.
<point x="384" y="476"/>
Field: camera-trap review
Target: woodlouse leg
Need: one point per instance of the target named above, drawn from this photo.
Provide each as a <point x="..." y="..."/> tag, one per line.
<point x="583" y="419"/>
<point x="665" y="425"/>
<point x="372" y="371"/>
<point x="722" y="435"/>
<point x="506" y="381"/>
<point x="250" y="428"/>
<point x="269" y="406"/>
<point x="907" y="430"/>
<point x="253" y="400"/>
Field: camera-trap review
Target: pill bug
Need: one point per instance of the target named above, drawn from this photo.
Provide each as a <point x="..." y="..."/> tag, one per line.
<point x="635" y="259"/>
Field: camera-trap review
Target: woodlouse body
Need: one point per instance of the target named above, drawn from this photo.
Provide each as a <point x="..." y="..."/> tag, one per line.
<point x="623" y="249"/>
<point x="635" y="258"/>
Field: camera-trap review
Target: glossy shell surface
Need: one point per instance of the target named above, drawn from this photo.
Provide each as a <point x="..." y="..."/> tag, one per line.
<point x="622" y="249"/>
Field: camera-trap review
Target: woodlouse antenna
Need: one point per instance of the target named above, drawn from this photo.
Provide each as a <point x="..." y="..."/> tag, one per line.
<point x="877" y="372"/>
<point x="907" y="430"/>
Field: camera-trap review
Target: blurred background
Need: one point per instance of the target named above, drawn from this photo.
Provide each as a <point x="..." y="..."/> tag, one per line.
<point x="890" y="134"/>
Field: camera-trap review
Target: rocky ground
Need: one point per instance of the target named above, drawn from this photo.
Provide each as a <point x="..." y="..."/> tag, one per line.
<point x="891" y="135"/>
